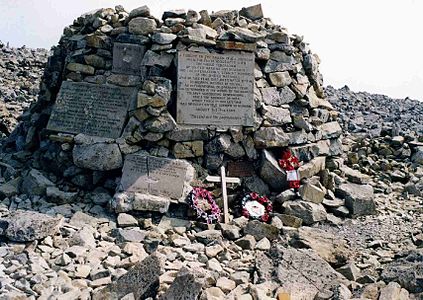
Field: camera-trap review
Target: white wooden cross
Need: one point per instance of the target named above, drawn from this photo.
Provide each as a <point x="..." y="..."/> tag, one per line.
<point x="223" y="180"/>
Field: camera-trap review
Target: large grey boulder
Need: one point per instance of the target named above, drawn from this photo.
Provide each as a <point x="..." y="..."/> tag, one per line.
<point x="142" y="280"/>
<point x="312" y="192"/>
<point x="268" y="137"/>
<point x="28" y="226"/>
<point x="141" y="25"/>
<point x="96" y="154"/>
<point x="309" y="212"/>
<point x="358" y="198"/>
<point x="271" y="173"/>
<point x="261" y="230"/>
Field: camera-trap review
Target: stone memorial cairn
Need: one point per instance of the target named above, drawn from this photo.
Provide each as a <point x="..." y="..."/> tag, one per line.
<point x="145" y="109"/>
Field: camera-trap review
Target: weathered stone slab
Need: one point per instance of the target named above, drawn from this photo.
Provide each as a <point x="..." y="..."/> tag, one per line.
<point x="127" y="58"/>
<point x="156" y="176"/>
<point x="96" y="110"/>
<point x="215" y="89"/>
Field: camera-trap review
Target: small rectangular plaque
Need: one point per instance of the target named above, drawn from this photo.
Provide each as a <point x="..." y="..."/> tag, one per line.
<point x="154" y="175"/>
<point x="92" y="109"/>
<point x="240" y="169"/>
<point x="215" y="89"/>
<point x="127" y="58"/>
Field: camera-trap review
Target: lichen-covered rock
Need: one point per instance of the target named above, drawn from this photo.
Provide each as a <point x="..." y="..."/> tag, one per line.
<point x="142" y="26"/>
<point x="28" y="226"/>
<point x="98" y="156"/>
<point x="269" y="137"/>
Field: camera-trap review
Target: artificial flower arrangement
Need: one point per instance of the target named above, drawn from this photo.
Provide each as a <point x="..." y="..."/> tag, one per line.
<point x="290" y="164"/>
<point x="204" y="205"/>
<point x="256" y="207"/>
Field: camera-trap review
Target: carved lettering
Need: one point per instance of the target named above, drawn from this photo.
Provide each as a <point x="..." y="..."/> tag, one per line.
<point x="215" y="89"/>
<point x="97" y="110"/>
<point x="153" y="175"/>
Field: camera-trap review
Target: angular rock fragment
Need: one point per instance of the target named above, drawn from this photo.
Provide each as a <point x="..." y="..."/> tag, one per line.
<point x="358" y="198"/>
<point x="142" y="280"/>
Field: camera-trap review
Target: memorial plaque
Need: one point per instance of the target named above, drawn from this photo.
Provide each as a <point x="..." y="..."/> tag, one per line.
<point x="240" y="169"/>
<point x="215" y="89"/>
<point x="154" y="175"/>
<point x="127" y="58"/>
<point x="92" y="109"/>
<point x="135" y="174"/>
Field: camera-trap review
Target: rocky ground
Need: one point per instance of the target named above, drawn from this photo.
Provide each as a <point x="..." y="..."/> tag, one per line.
<point x="79" y="250"/>
<point x="376" y="115"/>
<point x="20" y="75"/>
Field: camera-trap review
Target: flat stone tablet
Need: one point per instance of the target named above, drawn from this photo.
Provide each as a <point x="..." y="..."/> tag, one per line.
<point x="127" y="58"/>
<point x="215" y="89"/>
<point x="92" y="109"/>
<point x="240" y="169"/>
<point x="155" y="175"/>
<point x="135" y="174"/>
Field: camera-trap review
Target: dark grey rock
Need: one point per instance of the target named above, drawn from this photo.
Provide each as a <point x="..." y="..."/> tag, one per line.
<point x="35" y="183"/>
<point x="408" y="271"/>
<point x="261" y="230"/>
<point x="186" y="286"/>
<point x="271" y="173"/>
<point x="142" y="280"/>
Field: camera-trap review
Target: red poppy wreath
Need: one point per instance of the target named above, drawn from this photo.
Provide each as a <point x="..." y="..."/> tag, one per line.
<point x="256" y="207"/>
<point x="202" y="202"/>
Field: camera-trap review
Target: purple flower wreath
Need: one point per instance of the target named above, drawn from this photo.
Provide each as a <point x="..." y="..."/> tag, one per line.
<point x="213" y="214"/>
<point x="263" y="200"/>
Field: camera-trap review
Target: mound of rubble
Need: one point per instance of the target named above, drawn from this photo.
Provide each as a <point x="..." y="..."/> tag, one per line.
<point x="151" y="73"/>
<point x="21" y="70"/>
<point x="94" y="180"/>
<point x="376" y="115"/>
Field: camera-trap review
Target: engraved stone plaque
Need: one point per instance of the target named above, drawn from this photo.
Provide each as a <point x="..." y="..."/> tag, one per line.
<point x="240" y="169"/>
<point x="127" y="58"/>
<point x="215" y="89"/>
<point x="92" y="109"/>
<point x="154" y="175"/>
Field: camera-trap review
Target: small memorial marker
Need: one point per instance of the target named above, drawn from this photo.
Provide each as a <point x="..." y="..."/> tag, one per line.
<point x="223" y="180"/>
<point x="240" y="169"/>
<point x="215" y="89"/>
<point x="154" y="175"/>
<point x="127" y="58"/>
<point x="92" y="109"/>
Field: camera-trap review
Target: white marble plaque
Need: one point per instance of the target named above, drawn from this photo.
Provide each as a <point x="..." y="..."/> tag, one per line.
<point x="215" y="89"/>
